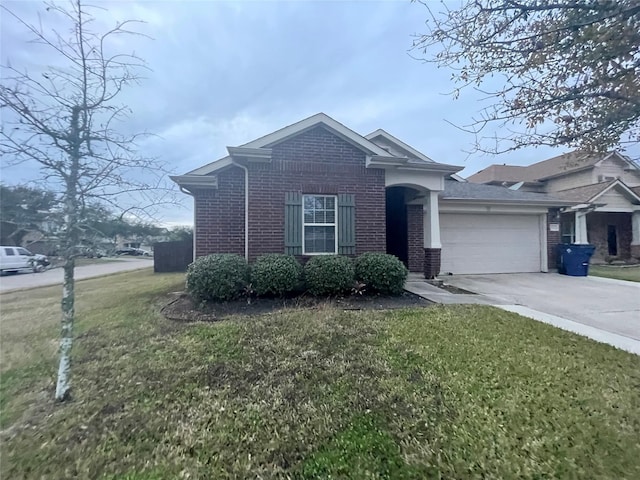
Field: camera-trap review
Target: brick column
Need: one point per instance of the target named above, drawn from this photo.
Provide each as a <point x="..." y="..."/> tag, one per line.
<point x="432" y="245"/>
<point x="431" y="262"/>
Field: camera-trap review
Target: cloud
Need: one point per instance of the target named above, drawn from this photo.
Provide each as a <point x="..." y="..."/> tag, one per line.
<point x="226" y="73"/>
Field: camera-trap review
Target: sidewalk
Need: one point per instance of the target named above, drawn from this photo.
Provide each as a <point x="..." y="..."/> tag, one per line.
<point x="417" y="285"/>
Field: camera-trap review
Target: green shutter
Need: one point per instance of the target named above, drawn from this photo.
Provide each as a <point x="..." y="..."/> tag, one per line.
<point x="346" y="224"/>
<point x="293" y="223"/>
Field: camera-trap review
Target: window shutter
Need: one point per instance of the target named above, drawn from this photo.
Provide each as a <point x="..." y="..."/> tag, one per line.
<point x="346" y="224"/>
<point x="293" y="223"/>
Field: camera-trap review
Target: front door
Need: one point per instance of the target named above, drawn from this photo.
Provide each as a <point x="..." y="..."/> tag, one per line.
<point x="612" y="240"/>
<point x="397" y="235"/>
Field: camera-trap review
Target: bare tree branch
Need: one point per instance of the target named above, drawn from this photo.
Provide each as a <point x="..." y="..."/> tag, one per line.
<point x="571" y="68"/>
<point x="64" y="120"/>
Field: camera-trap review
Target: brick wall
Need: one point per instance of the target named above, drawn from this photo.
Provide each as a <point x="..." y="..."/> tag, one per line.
<point x="315" y="161"/>
<point x="597" y="233"/>
<point x="219" y="215"/>
<point x="432" y="262"/>
<point x="415" y="233"/>
<point x="553" y="238"/>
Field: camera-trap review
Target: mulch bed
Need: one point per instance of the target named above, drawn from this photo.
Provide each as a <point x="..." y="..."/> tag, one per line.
<point x="182" y="307"/>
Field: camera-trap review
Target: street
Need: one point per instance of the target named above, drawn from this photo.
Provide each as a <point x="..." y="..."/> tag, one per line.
<point x="54" y="276"/>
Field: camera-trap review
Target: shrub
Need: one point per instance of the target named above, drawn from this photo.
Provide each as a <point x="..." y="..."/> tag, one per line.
<point x="381" y="273"/>
<point x="329" y="274"/>
<point x="275" y="274"/>
<point x="221" y="276"/>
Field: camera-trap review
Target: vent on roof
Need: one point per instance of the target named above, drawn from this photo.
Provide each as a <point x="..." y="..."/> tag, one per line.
<point x="605" y="178"/>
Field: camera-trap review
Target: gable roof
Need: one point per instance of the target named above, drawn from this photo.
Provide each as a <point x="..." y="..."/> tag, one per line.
<point x="492" y="193"/>
<point x="408" y="149"/>
<point x="590" y="193"/>
<point x="319" y="119"/>
<point x="553" y="167"/>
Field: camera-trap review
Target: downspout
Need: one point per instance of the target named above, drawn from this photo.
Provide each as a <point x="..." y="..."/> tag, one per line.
<point x="246" y="208"/>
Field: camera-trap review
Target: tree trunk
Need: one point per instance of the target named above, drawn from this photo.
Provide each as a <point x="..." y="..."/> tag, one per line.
<point x="63" y="387"/>
<point x="70" y="240"/>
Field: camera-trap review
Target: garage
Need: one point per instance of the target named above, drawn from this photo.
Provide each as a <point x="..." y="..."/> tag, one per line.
<point x="491" y="243"/>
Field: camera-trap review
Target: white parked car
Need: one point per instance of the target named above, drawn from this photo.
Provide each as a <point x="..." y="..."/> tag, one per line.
<point x="13" y="259"/>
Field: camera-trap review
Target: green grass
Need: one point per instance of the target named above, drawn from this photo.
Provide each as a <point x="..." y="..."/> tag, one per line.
<point x="443" y="392"/>
<point x="631" y="274"/>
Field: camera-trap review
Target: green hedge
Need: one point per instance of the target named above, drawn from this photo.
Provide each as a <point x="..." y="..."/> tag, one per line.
<point x="275" y="274"/>
<point x="221" y="276"/>
<point x="329" y="275"/>
<point x="381" y="273"/>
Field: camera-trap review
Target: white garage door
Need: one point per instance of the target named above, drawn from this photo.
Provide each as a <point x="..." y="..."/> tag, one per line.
<point x="489" y="243"/>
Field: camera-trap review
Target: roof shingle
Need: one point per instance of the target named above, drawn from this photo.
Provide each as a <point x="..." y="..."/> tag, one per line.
<point x="561" y="164"/>
<point x="475" y="191"/>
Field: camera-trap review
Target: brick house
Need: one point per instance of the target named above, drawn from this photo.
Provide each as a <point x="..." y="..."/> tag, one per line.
<point x="605" y="187"/>
<point x="317" y="187"/>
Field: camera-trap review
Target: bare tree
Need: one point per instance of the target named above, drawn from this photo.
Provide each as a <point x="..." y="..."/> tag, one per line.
<point x="64" y="119"/>
<point x="566" y="72"/>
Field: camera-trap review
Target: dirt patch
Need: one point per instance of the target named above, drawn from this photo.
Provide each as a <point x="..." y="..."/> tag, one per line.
<point x="455" y="290"/>
<point x="183" y="308"/>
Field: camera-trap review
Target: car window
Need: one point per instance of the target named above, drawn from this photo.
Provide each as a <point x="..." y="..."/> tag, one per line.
<point x="22" y="251"/>
<point x="9" y="251"/>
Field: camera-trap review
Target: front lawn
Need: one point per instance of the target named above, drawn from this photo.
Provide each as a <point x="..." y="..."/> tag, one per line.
<point x="439" y="392"/>
<point x="619" y="272"/>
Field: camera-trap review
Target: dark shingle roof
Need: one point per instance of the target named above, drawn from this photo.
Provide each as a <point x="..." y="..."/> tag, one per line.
<point x="474" y="191"/>
<point x="559" y="165"/>
<point x="584" y="193"/>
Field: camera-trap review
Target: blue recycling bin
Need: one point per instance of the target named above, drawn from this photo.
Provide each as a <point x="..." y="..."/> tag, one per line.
<point x="574" y="259"/>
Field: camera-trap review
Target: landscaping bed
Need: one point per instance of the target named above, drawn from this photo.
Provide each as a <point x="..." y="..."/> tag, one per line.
<point x="184" y="308"/>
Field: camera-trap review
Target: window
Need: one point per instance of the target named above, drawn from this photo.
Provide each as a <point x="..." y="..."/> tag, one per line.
<point x="9" y="251"/>
<point x="319" y="224"/>
<point x="22" y="251"/>
<point x="567" y="229"/>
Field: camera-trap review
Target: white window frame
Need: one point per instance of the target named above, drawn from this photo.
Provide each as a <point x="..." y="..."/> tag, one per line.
<point x="567" y="220"/>
<point x="334" y="224"/>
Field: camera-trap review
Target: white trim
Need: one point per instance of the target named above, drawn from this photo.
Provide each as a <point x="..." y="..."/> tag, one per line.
<point x="310" y="122"/>
<point x="195" y="180"/>
<point x="619" y="183"/>
<point x="399" y="143"/>
<point x="544" y="263"/>
<point x="212" y="167"/>
<point x="294" y="129"/>
<point x="260" y="155"/>
<point x="488" y="208"/>
<point x="622" y="157"/>
<point x="431" y="222"/>
<point x="246" y="209"/>
<point x="194" y="230"/>
<point x="334" y="224"/>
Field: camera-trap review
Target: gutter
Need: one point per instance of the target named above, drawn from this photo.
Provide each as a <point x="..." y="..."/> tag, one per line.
<point x="541" y="203"/>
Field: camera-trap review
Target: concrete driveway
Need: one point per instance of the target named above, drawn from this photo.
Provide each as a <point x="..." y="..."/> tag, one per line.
<point x="54" y="276"/>
<point x="611" y="306"/>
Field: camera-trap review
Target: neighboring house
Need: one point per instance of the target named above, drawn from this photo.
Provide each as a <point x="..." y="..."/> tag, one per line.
<point x="316" y="187"/>
<point x="606" y="187"/>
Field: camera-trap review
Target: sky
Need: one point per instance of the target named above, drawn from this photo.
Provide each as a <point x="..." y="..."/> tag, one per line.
<point x="225" y="73"/>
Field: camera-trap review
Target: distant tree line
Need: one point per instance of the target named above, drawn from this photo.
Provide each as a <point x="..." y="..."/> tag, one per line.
<point x="28" y="210"/>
